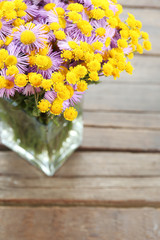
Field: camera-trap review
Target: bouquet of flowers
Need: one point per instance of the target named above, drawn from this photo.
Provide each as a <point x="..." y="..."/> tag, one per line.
<point x="51" y="51"/>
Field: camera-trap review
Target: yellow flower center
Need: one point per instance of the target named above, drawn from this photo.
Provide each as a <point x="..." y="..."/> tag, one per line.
<point x="43" y="62"/>
<point x="11" y="60"/>
<point x="49" y="6"/>
<point x="28" y="37"/>
<point x="9" y="84"/>
<point x="12" y="70"/>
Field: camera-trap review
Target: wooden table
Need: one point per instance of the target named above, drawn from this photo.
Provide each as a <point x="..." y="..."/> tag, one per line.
<point x="110" y="188"/>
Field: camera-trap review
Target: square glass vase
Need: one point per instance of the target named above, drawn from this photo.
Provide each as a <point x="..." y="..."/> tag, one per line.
<point x="45" y="146"/>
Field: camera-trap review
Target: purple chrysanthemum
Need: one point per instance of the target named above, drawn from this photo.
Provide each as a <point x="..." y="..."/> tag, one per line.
<point x="30" y="37"/>
<point x="5" y="29"/>
<point x="19" y="57"/>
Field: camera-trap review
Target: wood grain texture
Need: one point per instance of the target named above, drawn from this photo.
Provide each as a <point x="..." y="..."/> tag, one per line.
<point x="117" y="96"/>
<point x="106" y="119"/>
<point x="79" y="223"/>
<point x="87" y="164"/>
<point x="140" y="3"/>
<point x="98" y="191"/>
<point x="121" y="139"/>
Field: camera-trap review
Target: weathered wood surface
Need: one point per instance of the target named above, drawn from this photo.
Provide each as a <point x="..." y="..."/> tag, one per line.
<point x="79" y="223"/>
<point x="121" y="139"/>
<point x="118" y="164"/>
<point x="119" y="97"/>
<point x="87" y="164"/>
<point x="140" y="3"/>
<point x="125" y="120"/>
<point x="102" y="179"/>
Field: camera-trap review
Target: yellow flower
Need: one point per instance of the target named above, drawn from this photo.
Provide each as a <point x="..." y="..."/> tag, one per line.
<point x="97" y="13"/>
<point x="60" y="35"/>
<point x="80" y="71"/>
<point x="97" y="45"/>
<point x="122" y="43"/>
<point x="74" y="16"/>
<point x="35" y="79"/>
<point x="93" y="76"/>
<point x="72" y="77"/>
<point x="44" y="105"/>
<point x="147" y="45"/>
<point x="107" y="69"/>
<point x="129" y="68"/>
<point x="46" y="84"/>
<point x="28" y="37"/>
<point x="49" y="6"/>
<point x="57" y="77"/>
<point x="100" y="31"/>
<point x="70" y="113"/>
<point x="67" y="55"/>
<point x="81" y="86"/>
<point x="54" y="26"/>
<point x="12" y="70"/>
<point x="85" y="27"/>
<point x="21" y="80"/>
<point x="64" y="93"/>
<point x="11" y="60"/>
<point x="94" y="66"/>
<point x="56" y="107"/>
<point x="77" y="7"/>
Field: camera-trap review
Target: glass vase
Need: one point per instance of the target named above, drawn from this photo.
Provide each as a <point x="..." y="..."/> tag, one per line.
<point x="46" y="146"/>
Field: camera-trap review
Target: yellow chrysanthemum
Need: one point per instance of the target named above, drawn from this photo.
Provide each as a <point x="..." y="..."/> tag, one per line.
<point x="21" y="80"/>
<point x="44" y="105"/>
<point x="70" y="113"/>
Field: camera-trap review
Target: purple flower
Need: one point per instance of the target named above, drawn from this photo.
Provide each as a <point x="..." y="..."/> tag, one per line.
<point x="47" y="64"/>
<point x="5" y="29"/>
<point x="21" y="58"/>
<point x="30" y="37"/>
<point x="10" y="87"/>
<point x="50" y="96"/>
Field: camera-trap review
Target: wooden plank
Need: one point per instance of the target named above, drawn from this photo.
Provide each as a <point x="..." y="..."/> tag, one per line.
<point x="151" y="24"/>
<point x="98" y="191"/>
<point x="79" y="223"/>
<point x="87" y="164"/>
<point x="118" y="96"/>
<point x="140" y="3"/>
<point x="122" y="120"/>
<point x="110" y="164"/>
<point x="146" y="70"/>
<point x="121" y="139"/>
